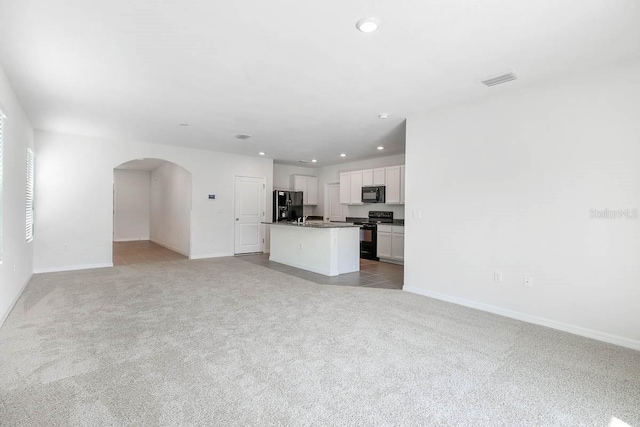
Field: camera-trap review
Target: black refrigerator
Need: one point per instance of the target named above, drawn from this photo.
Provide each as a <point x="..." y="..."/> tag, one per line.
<point x="287" y="205"/>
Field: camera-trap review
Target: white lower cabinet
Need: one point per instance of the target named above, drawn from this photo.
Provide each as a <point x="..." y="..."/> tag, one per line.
<point x="384" y="244"/>
<point x="391" y="243"/>
<point x="397" y="247"/>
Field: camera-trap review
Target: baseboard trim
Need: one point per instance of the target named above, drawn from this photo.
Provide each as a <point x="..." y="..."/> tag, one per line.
<point x="391" y="261"/>
<point x="71" y="268"/>
<point x="168" y="246"/>
<point x="565" y="327"/>
<point x="302" y="267"/>
<point x="132" y="240"/>
<point x="218" y="255"/>
<point x="15" y="300"/>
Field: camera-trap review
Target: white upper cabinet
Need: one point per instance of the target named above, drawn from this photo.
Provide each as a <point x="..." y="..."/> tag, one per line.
<point x="356" y="188"/>
<point x="367" y="177"/>
<point x="308" y="185"/>
<point x="393" y="185"/>
<point x="392" y="178"/>
<point x="351" y="188"/>
<point x="312" y="190"/>
<point x="378" y="176"/>
<point x="345" y="187"/>
<point x="298" y="182"/>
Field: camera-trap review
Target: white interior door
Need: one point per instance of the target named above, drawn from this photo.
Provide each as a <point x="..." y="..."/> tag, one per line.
<point x="250" y="212"/>
<point x="333" y="206"/>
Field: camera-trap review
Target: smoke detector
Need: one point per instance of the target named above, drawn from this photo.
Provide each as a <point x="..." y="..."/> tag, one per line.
<point x="499" y="79"/>
<point x="243" y="136"/>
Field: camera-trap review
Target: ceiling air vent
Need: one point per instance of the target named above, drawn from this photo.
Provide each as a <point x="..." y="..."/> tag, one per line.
<point x="499" y="79"/>
<point x="243" y="136"/>
<point x="304" y="161"/>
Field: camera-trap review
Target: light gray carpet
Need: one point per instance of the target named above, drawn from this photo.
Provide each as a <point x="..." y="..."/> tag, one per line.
<point x="225" y="342"/>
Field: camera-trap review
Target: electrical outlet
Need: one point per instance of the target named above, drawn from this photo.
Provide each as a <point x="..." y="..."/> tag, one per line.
<point x="528" y="281"/>
<point x="497" y="276"/>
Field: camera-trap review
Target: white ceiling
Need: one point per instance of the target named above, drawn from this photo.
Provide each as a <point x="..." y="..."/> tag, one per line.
<point x="294" y="74"/>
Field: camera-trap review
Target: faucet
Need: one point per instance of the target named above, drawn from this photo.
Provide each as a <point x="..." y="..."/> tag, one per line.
<point x="299" y="220"/>
<point x="304" y="219"/>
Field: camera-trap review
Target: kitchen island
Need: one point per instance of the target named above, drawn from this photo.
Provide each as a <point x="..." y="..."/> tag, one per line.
<point x="325" y="248"/>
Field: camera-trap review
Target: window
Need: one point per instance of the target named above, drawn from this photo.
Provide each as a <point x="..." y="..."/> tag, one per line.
<point x="1" y="175"/>
<point x="30" y="162"/>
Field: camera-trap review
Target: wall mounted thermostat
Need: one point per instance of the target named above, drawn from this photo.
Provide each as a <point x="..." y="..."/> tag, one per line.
<point x="212" y="196"/>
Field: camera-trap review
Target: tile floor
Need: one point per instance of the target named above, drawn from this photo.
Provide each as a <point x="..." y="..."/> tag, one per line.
<point x="372" y="274"/>
<point x="142" y="252"/>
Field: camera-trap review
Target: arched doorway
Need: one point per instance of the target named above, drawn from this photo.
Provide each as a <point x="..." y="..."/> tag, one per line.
<point x="151" y="212"/>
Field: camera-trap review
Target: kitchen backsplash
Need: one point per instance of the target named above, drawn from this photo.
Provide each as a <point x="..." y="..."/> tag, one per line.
<point x="362" y="211"/>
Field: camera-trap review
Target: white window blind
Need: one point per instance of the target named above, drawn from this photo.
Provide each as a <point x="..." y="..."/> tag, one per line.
<point x="30" y="165"/>
<point x="1" y="178"/>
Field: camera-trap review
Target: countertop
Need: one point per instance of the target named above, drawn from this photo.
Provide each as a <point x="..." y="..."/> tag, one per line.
<point x="314" y="224"/>
<point x="368" y="221"/>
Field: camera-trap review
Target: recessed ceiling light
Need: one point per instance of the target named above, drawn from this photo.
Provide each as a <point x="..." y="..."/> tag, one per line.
<point x="383" y="116"/>
<point x="367" y="25"/>
<point x="343" y="155"/>
<point x="313" y="160"/>
<point x="381" y="148"/>
<point x="261" y="153"/>
<point x="184" y="124"/>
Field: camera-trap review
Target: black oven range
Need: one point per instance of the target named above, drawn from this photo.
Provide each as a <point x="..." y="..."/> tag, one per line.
<point x="369" y="232"/>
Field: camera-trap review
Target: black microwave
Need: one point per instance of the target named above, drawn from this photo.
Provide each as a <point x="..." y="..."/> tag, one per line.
<point x="373" y="194"/>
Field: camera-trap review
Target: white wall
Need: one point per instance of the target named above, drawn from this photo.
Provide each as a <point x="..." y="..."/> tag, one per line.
<point x="16" y="264"/>
<point x="171" y="207"/>
<point x="282" y="175"/>
<point x="131" y="211"/>
<point x="508" y="184"/>
<point x="331" y="174"/>
<point x="74" y="186"/>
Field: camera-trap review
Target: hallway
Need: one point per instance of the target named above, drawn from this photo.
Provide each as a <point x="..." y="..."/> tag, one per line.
<point x="142" y="252"/>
